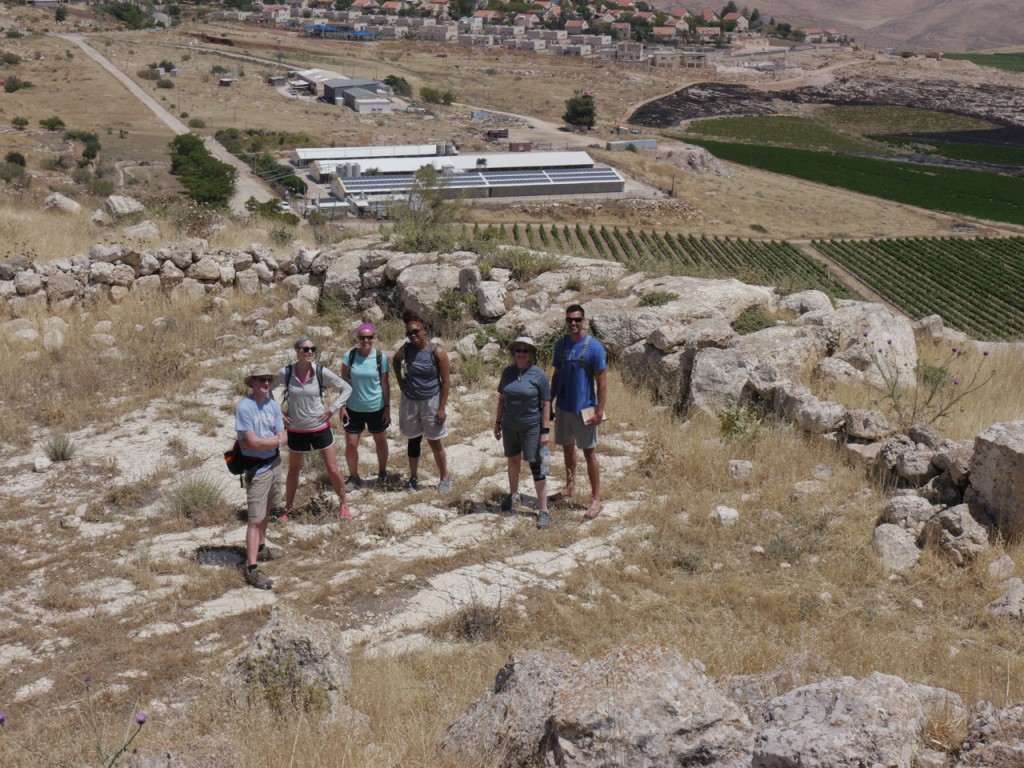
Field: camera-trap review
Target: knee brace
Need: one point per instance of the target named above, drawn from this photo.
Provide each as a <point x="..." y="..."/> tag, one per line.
<point x="414" y="447"/>
<point x="537" y="474"/>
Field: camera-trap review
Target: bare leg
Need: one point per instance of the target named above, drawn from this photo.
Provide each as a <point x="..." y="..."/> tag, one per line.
<point x="569" y="452"/>
<point x="594" y="474"/>
<point x="337" y="483"/>
<point x="352" y="454"/>
<point x="380" y="442"/>
<point x="541" y="486"/>
<point x="291" y="484"/>
<point x="514" y="465"/>
<point x="255" y="535"/>
<point x="440" y="457"/>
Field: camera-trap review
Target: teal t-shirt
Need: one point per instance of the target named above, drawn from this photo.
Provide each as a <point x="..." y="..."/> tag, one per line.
<point x="367" y="396"/>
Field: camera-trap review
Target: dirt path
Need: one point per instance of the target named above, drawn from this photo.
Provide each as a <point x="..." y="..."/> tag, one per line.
<point x="247" y="185"/>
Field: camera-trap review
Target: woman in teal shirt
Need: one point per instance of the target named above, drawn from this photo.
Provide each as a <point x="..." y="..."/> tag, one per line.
<point x="369" y="407"/>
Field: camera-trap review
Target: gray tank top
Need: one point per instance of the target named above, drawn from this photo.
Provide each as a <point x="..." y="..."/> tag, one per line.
<point x="422" y="379"/>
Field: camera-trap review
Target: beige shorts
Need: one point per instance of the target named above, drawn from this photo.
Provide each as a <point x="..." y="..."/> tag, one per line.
<point x="419" y="417"/>
<point x="263" y="492"/>
<point x="570" y="428"/>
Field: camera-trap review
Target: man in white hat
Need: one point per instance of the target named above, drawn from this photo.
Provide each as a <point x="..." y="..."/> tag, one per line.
<point x="261" y="433"/>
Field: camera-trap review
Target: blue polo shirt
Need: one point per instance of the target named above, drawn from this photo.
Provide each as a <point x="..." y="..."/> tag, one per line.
<point x="577" y="363"/>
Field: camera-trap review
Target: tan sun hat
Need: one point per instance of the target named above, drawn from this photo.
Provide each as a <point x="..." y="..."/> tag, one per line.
<point x="257" y="370"/>
<point x="525" y="341"/>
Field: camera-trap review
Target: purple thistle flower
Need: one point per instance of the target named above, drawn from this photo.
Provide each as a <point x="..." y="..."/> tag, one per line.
<point x="956" y="381"/>
<point x="865" y="334"/>
<point x="87" y="678"/>
<point x="3" y="718"/>
<point x="954" y="350"/>
<point x="985" y="353"/>
<point x="140" y="718"/>
<point x="889" y="342"/>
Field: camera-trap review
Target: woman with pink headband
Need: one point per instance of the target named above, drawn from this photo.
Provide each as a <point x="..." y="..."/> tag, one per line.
<point x="369" y="406"/>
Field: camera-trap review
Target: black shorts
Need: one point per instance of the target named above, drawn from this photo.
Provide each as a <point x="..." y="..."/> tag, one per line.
<point x="360" y="420"/>
<point x="306" y="442"/>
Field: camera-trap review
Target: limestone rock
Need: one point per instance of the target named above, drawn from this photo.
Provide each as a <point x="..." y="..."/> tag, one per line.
<point x="490" y="299"/>
<point x="996" y="471"/>
<point x="895" y="547"/>
<point x="954" y="458"/>
<point x="28" y="282"/>
<point x="506" y="726"/>
<point x="58" y="202"/>
<point x="806" y="301"/>
<point x="61" y="286"/>
<point x="993" y="737"/>
<point x="1011" y="602"/>
<point x="916" y="466"/>
<point x="121" y="205"/>
<point x="863" y="424"/>
<point x="908" y="512"/>
<point x="848" y="723"/>
<point x="957" y="534"/>
<point x="646" y="707"/>
<point x="144" y="231"/>
<point x="724" y="516"/>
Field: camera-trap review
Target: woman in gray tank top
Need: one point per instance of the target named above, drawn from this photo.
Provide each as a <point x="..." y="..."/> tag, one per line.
<point x="424" y="376"/>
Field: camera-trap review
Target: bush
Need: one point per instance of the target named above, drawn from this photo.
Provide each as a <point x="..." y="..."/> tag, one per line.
<point x="752" y="320"/>
<point x="741" y="422"/>
<point x="399" y="85"/>
<point x="10" y="58"/>
<point x="59" y="448"/>
<point x="198" y="497"/>
<point x="15" y="157"/>
<point x="20" y="123"/>
<point x="147" y="73"/>
<point x="658" y="298"/>
<point x="52" y="123"/>
<point x="207" y="179"/>
<point x="436" y="96"/>
<point x="195" y="122"/>
<point x="101" y="187"/>
<point x="11" y="171"/>
<point x="164" y="83"/>
<point x="525" y="265"/>
<point x="14" y="83"/>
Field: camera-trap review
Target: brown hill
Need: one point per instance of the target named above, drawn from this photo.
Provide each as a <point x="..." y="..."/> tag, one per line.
<point x="946" y="25"/>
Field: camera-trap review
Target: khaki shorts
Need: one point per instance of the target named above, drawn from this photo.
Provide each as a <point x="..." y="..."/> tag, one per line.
<point x="418" y="417"/>
<point x="570" y="428"/>
<point x="263" y="492"/>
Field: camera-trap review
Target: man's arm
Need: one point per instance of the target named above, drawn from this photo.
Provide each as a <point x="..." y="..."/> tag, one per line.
<point x="250" y="442"/>
<point x="601" y="379"/>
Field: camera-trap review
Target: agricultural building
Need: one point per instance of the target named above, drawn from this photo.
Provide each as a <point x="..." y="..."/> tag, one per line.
<point x="322" y="161"/>
<point x="371" y="183"/>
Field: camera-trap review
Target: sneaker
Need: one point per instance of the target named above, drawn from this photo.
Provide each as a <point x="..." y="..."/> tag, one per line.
<point x="543" y="519"/>
<point x="445" y="486"/>
<point x="413" y="484"/>
<point x="267" y="554"/>
<point x="382" y="479"/>
<point x="510" y="502"/>
<point x="353" y="483"/>
<point x="257" y="578"/>
<point x="344" y="513"/>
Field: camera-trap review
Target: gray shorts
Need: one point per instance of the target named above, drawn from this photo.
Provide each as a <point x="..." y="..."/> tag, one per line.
<point x="418" y="417"/>
<point x="522" y="440"/>
<point x="263" y="492"/>
<point x="570" y="428"/>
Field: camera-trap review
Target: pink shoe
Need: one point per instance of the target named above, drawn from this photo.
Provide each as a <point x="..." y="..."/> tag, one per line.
<point x="344" y="512"/>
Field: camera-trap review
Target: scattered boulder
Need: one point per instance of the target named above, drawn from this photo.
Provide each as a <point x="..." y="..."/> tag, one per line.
<point x="996" y="471"/>
<point x="122" y="205"/>
<point x="911" y="513"/>
<point x="895" y="547"/>
<point x="863" y="424"/>
<point x="143" y="231"/>
<point x="57" y="202"/>
<point x="957" y="534"/>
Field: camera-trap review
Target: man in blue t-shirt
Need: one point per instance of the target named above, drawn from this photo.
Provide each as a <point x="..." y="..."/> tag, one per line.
<point x="259" y="425"/>
<point x="579" y="385"/>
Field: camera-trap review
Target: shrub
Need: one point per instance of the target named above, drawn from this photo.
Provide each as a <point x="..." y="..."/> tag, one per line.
<point x="524" y="264"/>
<point x="20" y="123"/>
<point x="436" y="96"/>
<point x="59" y="448"/>
<point x="658" y="298"/>
<point x="281" y="236"/>
<point x="164" y="83"/>
<point x="752" y="320"/>
<point x="101" y="187"/>
<point x="11" y="171"/>
<point x="197" y="497"/>
<point x="15" y="157"/>
<point x="399" y="85"/>
<point x="147" y="73"/>
<point x="14" y="83"/>
<point x="52" y="123"/>
<point x="741" y="422"/>
<point x="10" y="58"/>
<point x="195" y="122"/>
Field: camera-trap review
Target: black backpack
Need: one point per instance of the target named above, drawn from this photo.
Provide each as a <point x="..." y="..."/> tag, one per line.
<point x="350" y="358"/>
<point x="288" y="377"/>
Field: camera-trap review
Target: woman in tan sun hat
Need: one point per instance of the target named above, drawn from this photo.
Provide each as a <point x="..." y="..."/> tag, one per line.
<point x="521" y="422"/>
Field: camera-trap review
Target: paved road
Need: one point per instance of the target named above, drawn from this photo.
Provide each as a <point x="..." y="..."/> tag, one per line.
<point x="248" y="185"/>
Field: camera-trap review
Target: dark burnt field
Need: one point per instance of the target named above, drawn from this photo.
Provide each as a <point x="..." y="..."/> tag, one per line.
<point x="1000" y="104"/>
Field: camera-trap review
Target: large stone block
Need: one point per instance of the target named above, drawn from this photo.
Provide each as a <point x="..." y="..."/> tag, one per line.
<point x="997" y="475"/>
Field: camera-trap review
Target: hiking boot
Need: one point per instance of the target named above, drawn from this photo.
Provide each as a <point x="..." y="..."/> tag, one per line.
<point x="257" y="578"/>
<point x="543" y="519"/>
<point x="353" y="483"/>
<point x="510" y="502"/>
<point x="267" y="554"/>
<point x="382" y="479"/>
<point x="413" y="484"/>
<point x="445" y="486"/>
<point x="345" y="513"/>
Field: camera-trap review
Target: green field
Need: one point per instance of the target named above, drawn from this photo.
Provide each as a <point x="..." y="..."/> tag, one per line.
<point x="758" y="262"/>
<point x="972" y="153"/>
<point x="1011" y="62"/>
<point x="970" y="193"/>
<point x="790" y="131"/>
<point x="976" y="286"/>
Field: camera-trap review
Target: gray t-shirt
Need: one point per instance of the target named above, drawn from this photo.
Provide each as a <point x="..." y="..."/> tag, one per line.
<point x="524" y="391"/>
<point x="422" y="378"/>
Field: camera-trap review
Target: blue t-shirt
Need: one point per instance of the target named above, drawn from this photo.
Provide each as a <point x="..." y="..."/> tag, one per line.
<point x="422" y="377"/>
<point x="263" y="419"/>
<point x="524" y="391"/>
<point x="367" y="394"/>
<point x="576" y="367"/>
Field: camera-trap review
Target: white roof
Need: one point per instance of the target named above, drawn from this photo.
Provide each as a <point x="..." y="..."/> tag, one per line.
<point x="319" y="75"/>
<point x="307" y="154"/>
<point x="494" y="161"/>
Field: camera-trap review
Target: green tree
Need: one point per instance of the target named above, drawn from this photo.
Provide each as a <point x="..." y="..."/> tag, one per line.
<point x="60" y="15"/>
<point x="423" y="222"/>
<point x="580" y="110"/>
<point x="15" y="157"/>
<point x="20" y="123"/>
<point x="207" y="179"/>
<point x="399" y="85"/>
<point x="52" y="123"/>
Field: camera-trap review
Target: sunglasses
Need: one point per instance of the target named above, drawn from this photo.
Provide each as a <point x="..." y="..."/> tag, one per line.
<point x="366" y="338"/>
<point x="574" y="320"/>
<point x="307" y="349"/>
<point x="414" y="332"/>
<point x="521" y="351"/>
<point x="264" y="379"/>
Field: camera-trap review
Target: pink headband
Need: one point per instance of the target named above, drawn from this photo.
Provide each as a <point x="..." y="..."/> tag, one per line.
<point x="366" y="327"/>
